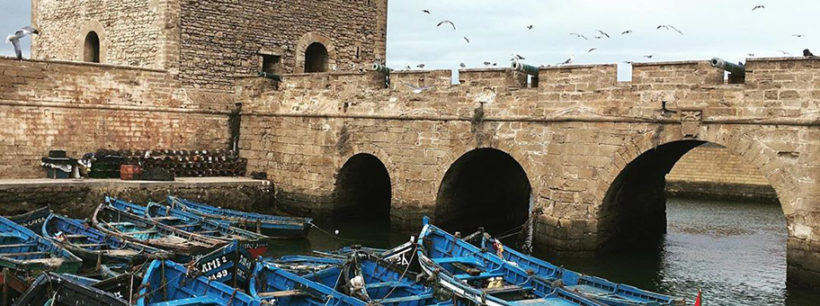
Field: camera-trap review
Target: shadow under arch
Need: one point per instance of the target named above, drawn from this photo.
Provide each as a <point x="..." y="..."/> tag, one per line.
<point x="362" y="188"/>
<point x="483" y="188"/>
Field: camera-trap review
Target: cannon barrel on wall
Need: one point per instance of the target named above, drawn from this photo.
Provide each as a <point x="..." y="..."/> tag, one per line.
<point x="270" y="76"/>
<point x="528" y="69"/>
<point x="381" y="68"/>
<point x="738" y="71"/>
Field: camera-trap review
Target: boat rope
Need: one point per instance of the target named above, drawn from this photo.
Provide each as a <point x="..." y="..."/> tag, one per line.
<point x="407" y="268"/>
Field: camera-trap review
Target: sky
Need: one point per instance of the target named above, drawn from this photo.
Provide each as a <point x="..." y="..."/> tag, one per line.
<point x="497" y="29"/>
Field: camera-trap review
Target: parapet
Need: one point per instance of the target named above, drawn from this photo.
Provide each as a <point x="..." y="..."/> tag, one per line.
<point x="670" y="75"/>
<point x="334" y="80"/>
<point x="577" y="77"/>
<point x="499" y="78"/>
<point x="400" y="80"/>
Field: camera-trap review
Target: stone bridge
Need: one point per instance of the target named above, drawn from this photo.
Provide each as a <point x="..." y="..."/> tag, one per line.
<point x="586" y="153"/>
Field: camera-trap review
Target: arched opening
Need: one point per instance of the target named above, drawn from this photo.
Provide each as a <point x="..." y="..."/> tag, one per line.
<point x="483" y="188"/>
<point x="91" y="49"/>
<point x="662" y="242"/>
<point x="316" y="58"/>
<point x="363" y="188"/>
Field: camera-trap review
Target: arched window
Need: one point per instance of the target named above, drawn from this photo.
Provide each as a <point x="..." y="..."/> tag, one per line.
<point x="316" y="58"/>
<point x="91" y="51"/>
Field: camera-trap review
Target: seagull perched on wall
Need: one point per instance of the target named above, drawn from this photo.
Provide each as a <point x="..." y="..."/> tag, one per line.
<point x="487" y="63"/>
<point x="462" y="65"/>
<point x="446" y="22"/>
<point x="807" y="53"/>
<point x="417" y="89"/>
<point x="14" y="39"/>
<point x="757" y="7"/>
<point x="420" y="66"/>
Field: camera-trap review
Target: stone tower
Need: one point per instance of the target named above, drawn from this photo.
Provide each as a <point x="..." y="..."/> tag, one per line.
<point x="208" y="43"/>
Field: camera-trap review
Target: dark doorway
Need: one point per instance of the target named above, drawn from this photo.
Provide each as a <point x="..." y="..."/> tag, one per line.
<point x="316" y="58"/>
<point x="483" y="188"/>
<point x="363" y="188"/>
<point x="91" y="51"/>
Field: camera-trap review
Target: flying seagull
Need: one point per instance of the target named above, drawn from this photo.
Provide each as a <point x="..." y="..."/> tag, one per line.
<point x="807" y="53"/>
<point x="784" y="52"/>
<point x="529" y="27"/>
<point x="799" y="35"/>
<point x="626" y="32"/>
<point x="568" y="61"/>
<point x="751" y="55"/>
<point x="408" y="67"/>
<point x="603" y="33"/>
<point x="420" y="66"/>
<point x="417" y="89"/>
<point x="579" y="36"/>
<point x="14" y="39"/>
<point x="447" y="22"/>
<point x="669" y="27"/>
<point x="426" y="12"/>
<point x="466" y="39"/>
<point x="758" y="7"/>
<point x="649" y="56"/>
<point x="517" y="57"/>
<point x="592" y="49"/>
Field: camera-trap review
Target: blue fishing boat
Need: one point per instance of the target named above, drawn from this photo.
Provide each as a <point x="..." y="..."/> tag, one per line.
<point x="256" y="243"/>
<point x="128" y="226"/>
<point x="278" y="227"/>
<point x="231" y="264"/>
<point x="94" y="246"/>
<point x="272" y="284"/>
<point x="302" y="264"/>
<point x="56" y="289"/>
<point x="169" y="283"/>
<point x="23" y="250"/>
<point x="362" y="276"/>
<point x="477" y="277"/>
<point x="32" y="220"/>
<point x="594" y="287"/>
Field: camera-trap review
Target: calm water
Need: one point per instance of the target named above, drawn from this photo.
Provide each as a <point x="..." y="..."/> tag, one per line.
<point x="734" y="252"/>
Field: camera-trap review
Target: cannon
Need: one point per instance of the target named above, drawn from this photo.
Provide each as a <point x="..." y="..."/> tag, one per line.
<point x="381" y="68"/>
<point x="528" y="69"/>
<point x="737" y="71"/>
<point x="271" y="76"/>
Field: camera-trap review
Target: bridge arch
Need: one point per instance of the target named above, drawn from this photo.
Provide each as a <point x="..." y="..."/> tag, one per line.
<point x="363" y="187"/>
<point x="484" y="187"/>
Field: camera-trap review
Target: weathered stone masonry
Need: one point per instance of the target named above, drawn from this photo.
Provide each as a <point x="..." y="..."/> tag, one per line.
<point x="573" y="135"/>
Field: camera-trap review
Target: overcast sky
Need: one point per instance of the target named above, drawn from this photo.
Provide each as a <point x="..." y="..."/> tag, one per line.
<point x="497" y="29"/>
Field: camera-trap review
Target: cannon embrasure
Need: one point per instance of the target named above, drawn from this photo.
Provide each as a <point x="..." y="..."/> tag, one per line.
<point x="737" y="72"/>
<point x="530" y="70"/>
<point x="271" y="76"/>
<point x="381" y="68"/>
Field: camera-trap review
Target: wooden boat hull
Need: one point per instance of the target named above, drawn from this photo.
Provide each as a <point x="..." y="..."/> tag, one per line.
<point x="231" y="264"/>
<point x="32" y="220"/>
<point x="138" y="229"/>
<point x="13" y="286"/>
<point x="471" y="275"/>
<point x="55" y="289"/>
<point x="256" y="244"/>
<point x="595" y="287"/>
<point x="94" y="246"/>
<point x="275" y="227"/>
<point x="182" y="288"/>
<point x="23" y="250"/>
<point x="269" y="283"/>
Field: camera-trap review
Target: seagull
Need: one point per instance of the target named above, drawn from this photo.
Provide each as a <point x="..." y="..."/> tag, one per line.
<point x="467" y="39"/>
<point x="420" y="66"/>
<point x="799" y="35"/>
<point x="676" y="29"/>
<point x="603" y="33"/>
<point x="592" y="49"/>
<point x="462" y="65"/>
<point x="495" y="64"/>
<point x="626" y="32"/>
<point x="426" y="12"/>
<point x="417" y="89"/>
<point x="529" y="27"/>
<point x="487" y="63"/>
<point x="517" y="57"/>
<point x="649" y="56"/>
<point x="807" y="53"/>
<point x="568" y="61"/>
<point x="446" y="22"/>
<point x="784" y="52"/>
<point x="598" y="37"/>
<point x="751" y="54"/>
<point x="628" y="62"/>
<point x="408" y="67"/>
<point x="579" y="36"/>
<point x="669" y="27"/>
<point x="14" y="39"/>
<point x="758" y="7"/>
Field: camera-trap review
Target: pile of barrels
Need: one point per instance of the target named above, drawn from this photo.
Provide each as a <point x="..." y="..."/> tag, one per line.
<point x="180" y="163"/>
